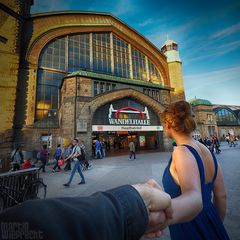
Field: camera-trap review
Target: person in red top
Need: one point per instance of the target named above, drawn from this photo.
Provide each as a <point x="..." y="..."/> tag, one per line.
<point x="27" y="164"/>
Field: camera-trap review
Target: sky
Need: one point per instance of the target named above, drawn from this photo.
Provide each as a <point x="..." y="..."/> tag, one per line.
<point x="207" y="32"/>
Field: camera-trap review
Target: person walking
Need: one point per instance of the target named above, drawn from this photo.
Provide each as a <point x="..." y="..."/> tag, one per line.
<point x="216" y="144"/>
<point x="192" y="178"/>
<point x="67" y="153"/>
<point x="86" y="164"/>
<point x="76" y="155"/>
<point x="57" y="156"/>
<point x="132" y="149"/>
<point x="98" y="149"/>
<point x="232" y="139"/>
<point x="16" y="158"/>
<point x="43" y="157"/>
<point x="103" y="146"/>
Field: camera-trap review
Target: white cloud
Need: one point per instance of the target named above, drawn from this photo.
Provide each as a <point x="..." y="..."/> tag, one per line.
<point x="146" y="22"/>
<point x="214" y="51"/>
<point x="169" y="30"/>
<point x="220" y="86"/>
<point x="227" y="31"/>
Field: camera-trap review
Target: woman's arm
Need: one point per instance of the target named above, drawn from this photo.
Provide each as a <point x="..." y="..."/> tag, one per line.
<point x="219" y="194"/>
<point x="189" y="204"/>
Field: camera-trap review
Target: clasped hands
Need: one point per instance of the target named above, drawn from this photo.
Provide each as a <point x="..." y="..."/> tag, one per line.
<point x="158" y="204"/>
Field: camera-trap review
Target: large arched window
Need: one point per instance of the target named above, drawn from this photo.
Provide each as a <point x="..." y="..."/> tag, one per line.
<point x="226" y="117"/>
<point x="98" y="52"/>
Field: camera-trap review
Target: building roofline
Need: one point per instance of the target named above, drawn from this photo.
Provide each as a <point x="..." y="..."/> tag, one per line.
<point x="116" y="79"/>
<point x="71" y="12"/>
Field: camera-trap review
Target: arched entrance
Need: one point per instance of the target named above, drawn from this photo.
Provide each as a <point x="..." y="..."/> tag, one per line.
<point x="119" y="122"/>
<point x="88" y="110"/>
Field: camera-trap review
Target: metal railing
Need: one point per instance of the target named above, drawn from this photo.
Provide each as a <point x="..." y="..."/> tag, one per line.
<point x="17" y="187"/>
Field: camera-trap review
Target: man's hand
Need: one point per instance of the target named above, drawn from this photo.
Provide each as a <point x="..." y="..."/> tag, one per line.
<point x="158" y="204"/>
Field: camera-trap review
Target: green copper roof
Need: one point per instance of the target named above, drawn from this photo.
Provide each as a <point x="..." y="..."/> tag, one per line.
<point x="117" y="79"/>
<point x="198" y="101"/>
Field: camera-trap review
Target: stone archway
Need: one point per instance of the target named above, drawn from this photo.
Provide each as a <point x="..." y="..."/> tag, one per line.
<point x="99" y="101"/>
<point x="88" y="110"/>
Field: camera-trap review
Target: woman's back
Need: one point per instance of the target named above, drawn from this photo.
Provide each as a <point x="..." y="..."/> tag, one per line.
<point x="207" y="224"/>
<point x="207" y="160"/>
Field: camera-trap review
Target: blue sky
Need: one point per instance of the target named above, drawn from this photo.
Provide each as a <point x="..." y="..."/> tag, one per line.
<point x="208" y="34"/>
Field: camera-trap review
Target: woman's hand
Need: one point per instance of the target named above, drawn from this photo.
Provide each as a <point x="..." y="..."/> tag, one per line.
<point x="158" y="204"/>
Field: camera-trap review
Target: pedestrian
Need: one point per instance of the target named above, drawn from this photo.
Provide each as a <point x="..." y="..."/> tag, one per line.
<point x="76" y="155"/>
<point x="43" y="157"/>
<point x="98" y="149"/>
<point x="57" y="156"/>
<point x="86" y="164"/>
<point x="201" y="141"/>
<point x="27" y="164"/>
<point x="216" y="144"/>
<point x="122" y="213"/>
<point x="132" y="149"/>
<point x="232" y="139"/>
<point x="67" y="153"/>
<point x="209" y="144"/>
<point x="227" y="139"/>
<point x="103" y="146"/>
<point x="108" y="145"/>
<point x="16" y="158"/>
<point x="192" y="177"/>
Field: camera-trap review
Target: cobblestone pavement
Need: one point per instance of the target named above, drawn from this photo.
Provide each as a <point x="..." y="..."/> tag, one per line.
<point x="114" y="171"/>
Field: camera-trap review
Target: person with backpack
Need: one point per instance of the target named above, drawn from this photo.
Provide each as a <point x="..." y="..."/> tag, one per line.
<point x="77" y="155"/>
<point x="86" y="164"/>
<point x="67" y="153"/>
<point x="57" y="156"/>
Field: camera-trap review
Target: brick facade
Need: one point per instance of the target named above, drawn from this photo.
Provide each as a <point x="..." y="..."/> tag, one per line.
<point x="73" y="91"/>
<point x="10" y="31"/>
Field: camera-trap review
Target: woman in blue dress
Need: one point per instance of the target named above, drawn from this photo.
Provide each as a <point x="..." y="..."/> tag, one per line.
<point x="194" y="181"/>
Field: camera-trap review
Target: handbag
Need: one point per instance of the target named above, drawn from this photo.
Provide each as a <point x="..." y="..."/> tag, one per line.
<point x="60" y="162"/>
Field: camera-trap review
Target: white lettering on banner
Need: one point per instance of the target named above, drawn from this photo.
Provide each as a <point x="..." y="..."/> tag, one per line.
<point x="144" y="121"/>
<point x="129" y="122"/>
<point x="105" y="128"/>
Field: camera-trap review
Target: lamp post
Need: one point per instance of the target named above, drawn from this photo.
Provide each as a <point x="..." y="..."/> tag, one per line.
<point x="49" y="115"/>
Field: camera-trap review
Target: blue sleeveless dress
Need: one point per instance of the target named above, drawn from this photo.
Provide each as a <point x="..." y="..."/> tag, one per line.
<point x="207" y="225"/>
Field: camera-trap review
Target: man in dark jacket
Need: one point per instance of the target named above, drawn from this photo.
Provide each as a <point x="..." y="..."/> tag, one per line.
<point x="123" y="213"/>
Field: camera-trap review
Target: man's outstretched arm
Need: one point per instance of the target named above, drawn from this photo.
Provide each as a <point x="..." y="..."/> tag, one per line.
<point x="117" y="214"/>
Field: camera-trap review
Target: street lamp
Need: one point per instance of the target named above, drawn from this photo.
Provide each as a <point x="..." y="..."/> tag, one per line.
<point x="49" y="115"/>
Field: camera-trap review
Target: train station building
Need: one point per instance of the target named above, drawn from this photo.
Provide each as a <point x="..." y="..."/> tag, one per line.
<point x="86" y="75"/>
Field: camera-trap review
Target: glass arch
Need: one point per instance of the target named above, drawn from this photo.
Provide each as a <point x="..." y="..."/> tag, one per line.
<point x="226" y="117"/>
<point x="98" y="52"/>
